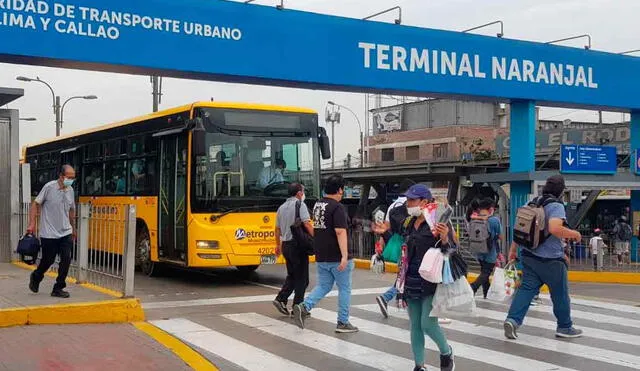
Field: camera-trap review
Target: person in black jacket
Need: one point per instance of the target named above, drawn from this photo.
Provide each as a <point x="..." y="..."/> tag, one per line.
<point x="418" y="292"/>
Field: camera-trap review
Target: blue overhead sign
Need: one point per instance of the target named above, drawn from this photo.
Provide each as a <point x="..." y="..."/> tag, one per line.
<point x="233" y="41"/>
<point x="579" y="159"/>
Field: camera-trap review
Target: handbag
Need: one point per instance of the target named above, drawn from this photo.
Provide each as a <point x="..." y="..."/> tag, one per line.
<point x="431" y="266"/>
<point x="28" y="248"/>
<point x="458" y="265"/>
<point x="393" y="249"/>
<point x="304" y="241"/>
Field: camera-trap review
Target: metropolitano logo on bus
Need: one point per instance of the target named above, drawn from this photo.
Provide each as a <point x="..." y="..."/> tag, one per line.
<point x="242" y="234"/>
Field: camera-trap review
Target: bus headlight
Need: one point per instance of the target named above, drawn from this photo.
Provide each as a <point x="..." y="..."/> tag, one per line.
<point x="207" y="245"/>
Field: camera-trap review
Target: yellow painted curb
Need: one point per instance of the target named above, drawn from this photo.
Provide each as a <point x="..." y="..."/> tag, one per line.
<point x="71" y="280"/>
<point x="192" y="358"/>
<point x="605" y="277"/>
<point x="111" y="311"/>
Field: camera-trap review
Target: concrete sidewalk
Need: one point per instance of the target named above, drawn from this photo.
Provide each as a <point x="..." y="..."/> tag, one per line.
<point x="108" y="347"/>
<point x="19" y="306"/>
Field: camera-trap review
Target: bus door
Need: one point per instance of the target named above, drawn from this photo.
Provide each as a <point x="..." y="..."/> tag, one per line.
<point x="173" y="198"/>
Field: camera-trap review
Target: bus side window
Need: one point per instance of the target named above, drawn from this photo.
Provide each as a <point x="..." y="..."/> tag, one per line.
<point x="92" y="179"/>
<point x="115" y="177"/>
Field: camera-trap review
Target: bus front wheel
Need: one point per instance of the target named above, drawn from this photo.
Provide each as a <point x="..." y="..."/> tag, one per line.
<point x="143" y="253"/>
<point x="247" y="268"/>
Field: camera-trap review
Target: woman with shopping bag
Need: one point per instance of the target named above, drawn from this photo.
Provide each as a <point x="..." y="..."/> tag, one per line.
<point x="416" y="292"/>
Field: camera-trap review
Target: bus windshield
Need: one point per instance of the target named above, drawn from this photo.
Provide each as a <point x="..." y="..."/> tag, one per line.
<point x="245" y="159"/>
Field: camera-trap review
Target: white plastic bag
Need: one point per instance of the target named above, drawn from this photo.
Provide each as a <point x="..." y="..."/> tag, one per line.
<point x="377" y="264"/>
<point x="497" y="290"/>
<point x="452" y="300"/>
<point x="431" y="266"/>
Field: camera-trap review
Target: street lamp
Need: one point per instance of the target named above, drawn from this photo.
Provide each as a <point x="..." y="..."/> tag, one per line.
<point x="588" y="37"/>
<point x="57" y="109"/>
<point x="87" y="97"/>
<point x="359" y="127"/>
<point x="56" y="99"/>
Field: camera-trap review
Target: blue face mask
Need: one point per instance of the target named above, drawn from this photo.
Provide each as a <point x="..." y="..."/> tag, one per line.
<point x="67" y="182"/>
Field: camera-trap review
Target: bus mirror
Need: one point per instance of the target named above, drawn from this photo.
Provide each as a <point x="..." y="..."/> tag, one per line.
<point x="323" y="142"/>
<point x="196" y="124"/>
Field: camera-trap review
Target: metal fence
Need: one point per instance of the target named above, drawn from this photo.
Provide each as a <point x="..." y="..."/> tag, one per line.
<point x="104" y="251"/>
<point x="613" y="258"/>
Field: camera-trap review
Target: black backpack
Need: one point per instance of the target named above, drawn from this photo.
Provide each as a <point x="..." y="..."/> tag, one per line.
<point x="304" y="241"/>
<point x="28" y="248"/>
<point x="624" y="232"/>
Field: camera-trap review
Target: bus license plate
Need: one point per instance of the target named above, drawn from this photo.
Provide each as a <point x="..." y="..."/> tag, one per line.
<point x="268" y="259"/>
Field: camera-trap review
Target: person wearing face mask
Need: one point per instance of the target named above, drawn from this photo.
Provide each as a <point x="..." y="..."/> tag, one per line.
<point x="272" y="175"/>
<point x="333" y="263"/>
<point x="297" y="258"/>
<point x="418" y="293"/>
<point x="56" y="207"/>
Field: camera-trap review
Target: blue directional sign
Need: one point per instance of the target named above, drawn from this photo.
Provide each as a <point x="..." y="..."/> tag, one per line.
<point x="635" y="165"/>
<point x="579" y="159"/>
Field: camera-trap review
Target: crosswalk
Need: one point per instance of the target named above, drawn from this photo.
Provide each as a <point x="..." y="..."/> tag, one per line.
<point x="258" y="340"/>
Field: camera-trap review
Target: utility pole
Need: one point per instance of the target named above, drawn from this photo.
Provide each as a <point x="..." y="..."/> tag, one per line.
<point x="156" y="91"/>
<point x="56" y="110"/>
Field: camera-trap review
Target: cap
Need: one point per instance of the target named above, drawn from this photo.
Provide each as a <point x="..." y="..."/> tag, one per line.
<point x="597" y="230"/>
<point x="418" y="191"/>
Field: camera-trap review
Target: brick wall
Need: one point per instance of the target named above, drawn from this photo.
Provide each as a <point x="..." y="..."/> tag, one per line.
<point x="459" y="139"/>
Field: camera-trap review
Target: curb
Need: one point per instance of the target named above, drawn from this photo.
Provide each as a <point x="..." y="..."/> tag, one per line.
<point x="625" y="278"/>
<point x="71" y="280"/>
<point x="111" y="311"/>
<point x="188" y="355"/>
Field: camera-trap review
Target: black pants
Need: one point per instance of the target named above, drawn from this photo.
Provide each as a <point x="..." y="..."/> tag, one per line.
<point x="51" y="248"/>
<point x="483" y="279"/>
<point x="297" y="273"/>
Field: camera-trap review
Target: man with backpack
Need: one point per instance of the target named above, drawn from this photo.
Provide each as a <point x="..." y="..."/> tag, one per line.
<point x="622" y="233"/>
<point x="539" y="229"/>
<point x="484" y="231"/>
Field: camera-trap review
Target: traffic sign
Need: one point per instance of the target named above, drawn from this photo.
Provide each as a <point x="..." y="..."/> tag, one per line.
<point x="579" y="159"/>
<point x="635" y="166"/>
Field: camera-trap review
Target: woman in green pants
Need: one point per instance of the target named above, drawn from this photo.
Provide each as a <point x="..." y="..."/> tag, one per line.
<point x="418" y="293"/>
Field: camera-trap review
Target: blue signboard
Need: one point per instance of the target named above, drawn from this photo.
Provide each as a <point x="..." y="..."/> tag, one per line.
<point x="635" y="165"/>
<point x="237" y="42"/>
<point x="579" y="159"/>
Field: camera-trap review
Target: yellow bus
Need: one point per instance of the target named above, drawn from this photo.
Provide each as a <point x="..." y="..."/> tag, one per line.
<point x="204" y="178"/>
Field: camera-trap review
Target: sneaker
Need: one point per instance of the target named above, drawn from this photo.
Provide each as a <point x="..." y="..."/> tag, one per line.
<point x="419" y="368"/>
<point x="281" y="307"/>
<point x="383" y="306"/>
<point x="568" y="333"/>
<point x="510" y="329"/>
<point x="444" y="321"/>
<point x="344" y="328"/>
<point x="447" y="362"/>
<point x="300" y="313"/>
<point x="33" y="285"/>
<point x="60" y="294"/>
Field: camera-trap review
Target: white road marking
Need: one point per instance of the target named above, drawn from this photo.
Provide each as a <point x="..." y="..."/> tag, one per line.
<point x="234" y="351"/>
<point x="564" y="347"/>
<point x="601" y="304"/>
<point x="324" y="343"/>
<point x="244" y="299"/>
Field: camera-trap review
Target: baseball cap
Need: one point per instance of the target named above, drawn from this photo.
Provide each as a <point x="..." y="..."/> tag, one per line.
<point x="418" y="191"/>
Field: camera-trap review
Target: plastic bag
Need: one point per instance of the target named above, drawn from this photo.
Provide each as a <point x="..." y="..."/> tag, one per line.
<point x="377" y="264"/>
<point x="447" y="276"/>
<point x="431" y="267"/>
<point x="393" y="249"/>
<point x="452" y="300"/>
<point x="497" y="290"/>
<point x="511" y="280"/>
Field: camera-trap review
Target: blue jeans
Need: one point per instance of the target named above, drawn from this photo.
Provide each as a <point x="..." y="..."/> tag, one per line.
<point x="390" y="294"/>
<point x="536" y="273"/>
<point x="327" y="274"/>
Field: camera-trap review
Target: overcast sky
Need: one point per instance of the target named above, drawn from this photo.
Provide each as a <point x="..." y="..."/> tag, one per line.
<point x="613" y="25"/>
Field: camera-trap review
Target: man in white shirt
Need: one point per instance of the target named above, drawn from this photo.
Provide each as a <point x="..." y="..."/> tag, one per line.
<point x="272" y="174"/>
<point x="597" y="249"/>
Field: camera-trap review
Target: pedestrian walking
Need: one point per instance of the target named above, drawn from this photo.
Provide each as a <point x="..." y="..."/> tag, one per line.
<point x="395" y="216"/>
<point x="295" y="253"/>
<point x="597" y="246"/>
<point x="333" y="263"/>
<point x="418" y="293"/>
<point x="546" y="264"/>
<point x="483" y="211"/>
<point x="56" y="206"/>
<point x="622" y="233"/>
